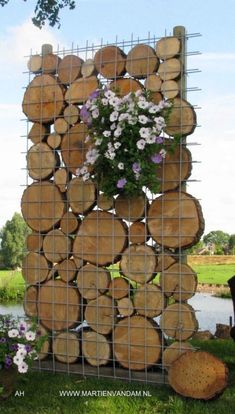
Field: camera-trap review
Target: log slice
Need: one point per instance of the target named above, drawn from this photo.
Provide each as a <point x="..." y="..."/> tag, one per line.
<point x="168" y="47"/>
<point x="169" y="69"/>
<point x="149" y="300"/>
<point x="81" y="195"/>
<point x="131" y="209"/>
<point x="69" y="223"/>
<point x="96" y="348"/>
<point x="65" y="347"/>
<point x="80" y="90"/>
<point x="182" y="118"/>
<point x="179" y="281"/>
<point x="41" y="161"/>
<point x="67" y="270"/>
<point x="69" y="69"/>
<point x="123" y="86"/>
<point x="100" y="314"/>
<point x="173" y="352"/>
<point x="30" y="301"/>
<point x="92" y="281"/>
<point x="74" y="147"/>
<point x="35" y="268"/>
<point x="141" y="61"/>
<point x="110" y="62"/>
<point x="56" y="246"/>
<point x="178" y="321"/>
<point x="34" y="242"/>
<point x="138" y="263"/>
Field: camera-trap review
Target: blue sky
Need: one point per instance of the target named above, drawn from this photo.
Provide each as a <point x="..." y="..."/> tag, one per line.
<point x="96" y="19"/>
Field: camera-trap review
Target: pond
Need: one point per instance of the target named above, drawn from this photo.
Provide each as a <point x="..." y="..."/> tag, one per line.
<point x="209" y="310"/>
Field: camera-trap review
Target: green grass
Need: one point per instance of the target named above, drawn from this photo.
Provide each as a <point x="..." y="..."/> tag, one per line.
<point x="41" y="393"/>
<point x="217" y="274"/>
<point x="12" y="286"/>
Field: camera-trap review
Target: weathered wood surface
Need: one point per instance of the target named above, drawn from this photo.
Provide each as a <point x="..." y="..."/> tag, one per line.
<point x="35" y="268"/>
<point x="56" y="246"/>
<point x="96" y="348"/>
<point x="179" y="281"/>
<point x="149" y="300"/>
<point x="69" y="69"/>
<point x="182" y="119"/>
<point x="178" y="321"/>
<point x="110" y="62"/>
<point x="41" y="161"/>
<point x="74" y="147"/>
<point x="92" y="281"/>
<point x="100" y="314"/>
<point x="167" y="47"/>
<point x="138" y="263"/>
<point x="66" y="347"/>
<point x="141" y="61"/>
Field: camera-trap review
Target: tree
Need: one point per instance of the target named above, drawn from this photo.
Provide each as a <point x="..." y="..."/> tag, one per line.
<point x="218" y="239"/>
<point x="231" y="244"/>
<point x="13" y="236"/>
<point x="47" y="10"/>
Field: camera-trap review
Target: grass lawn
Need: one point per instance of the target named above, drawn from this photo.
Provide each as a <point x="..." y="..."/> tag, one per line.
<point x="12" y="285"/>
<point x="41" y="393"/>
<point x="218" y="274"/>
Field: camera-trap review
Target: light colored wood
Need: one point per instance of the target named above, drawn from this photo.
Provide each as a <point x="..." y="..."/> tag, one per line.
<point x="149" y="300"/>
<point x="119" y="288"/>
<point x="67" y="270"/>
<point x="175" y="168"/>
<point x="165" y="260"/>
<point x="138" y="263"/>
<point x="65" y="347"/>
<point x="110" y="62"/>
<point x="183" y="222"/>
<point x="182" y="118"/>
<point x="35" y="63"/>
<point x="100" y="314"/>
<point x="153" y="83"/>
<point x="80" y="90"/>
<point x="34" y="242"/>
<point x="69" y="223"/>
<point x="71" y="114"/>
<point x="43" y="99"/>
<point x="101" y="238"/>
<point x="35" y="268"/>
<point x="123" y="86"/>
<point x="81" y="195"/>
<point x="179" y="281"/>
<point x="173" y="351"/>
<point x="198" y="375"/>
<point x="30" y="301"/>
<point x="38" y="132"/>
<point x="125" y="307"/>
<point x="104" y="202"/>
<point x="156" y="97"/>
<point x="58" y="305"/>
<point x="92" y="281"/>
<point x="88" y="68"/>
<point x="69" y="69"/>
<point x="169" y="69"/>
<point x="50" y="63"/>
<point x="167" y="47"/>
<point x="131" y="209"/>
<point x="138" y="233"/>
<point x="56" y="246"/>
<point x="61" y="126"/>
<point x="44" y="351"/>
<point x="137" y="343"/>
<point x="54" y="140"/>
<point x="74" y="147"/>
<point x="96" y="348"/>
<point x="170" y="89"/>
<point x="141" y="61"/>
<point x="178" y="321"/>
<point x="61" y="178"/>
<point x="41" y="161"/>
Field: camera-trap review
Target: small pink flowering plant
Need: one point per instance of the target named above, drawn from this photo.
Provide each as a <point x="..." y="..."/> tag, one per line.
<point x="125" y="139"/>
<point x="20" y="343"/>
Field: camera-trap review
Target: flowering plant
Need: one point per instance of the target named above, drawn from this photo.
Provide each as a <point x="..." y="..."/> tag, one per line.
<point x="125" y="143"/>
<point x="19" y="343"/>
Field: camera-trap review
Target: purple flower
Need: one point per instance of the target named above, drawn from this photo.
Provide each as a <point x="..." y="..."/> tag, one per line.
<point x="136" y="167"/>
<point x="8" y="361"/>
<point x="85" y="115"/>
<point x="28" y="348"/>
<point x="159" y="140"/>
<point x="121" y="183"/>
<point x="3" y="340"/>
<point x="156" y="158"/>
<point x="14" y="347"/>
<point x="94" y="94"/>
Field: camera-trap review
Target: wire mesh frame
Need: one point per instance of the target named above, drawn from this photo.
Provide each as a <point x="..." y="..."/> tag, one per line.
<point x="156" y="373"/>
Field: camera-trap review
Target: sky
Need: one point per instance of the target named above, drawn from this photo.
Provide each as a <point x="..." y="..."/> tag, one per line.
<point x="213" y="175"/>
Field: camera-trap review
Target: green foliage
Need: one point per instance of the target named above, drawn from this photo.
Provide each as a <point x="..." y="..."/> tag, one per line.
<point x="47" y="10"/>
<point x="217" y="237"/>
<point x="216" y="274"/>
<point x="13" y="236"/>
<point x="231" y="244"/>
<point x="12" y="286"/>
<point x="196" y="248"/>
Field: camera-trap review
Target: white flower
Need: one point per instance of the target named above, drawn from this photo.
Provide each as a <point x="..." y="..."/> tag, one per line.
<point x="113" y="126"/>
<point x="98" y="141"/>
<point x="107" y="133"/>
<point x="123" y="116"/>
<point x="13" y="333"/>
<point x="150" y="139"/>
<point x="17" y="360"/>
<point x="160" y="122"/>
<point x="109" y="94"/>
<point x="78" y="171"/>
<point x="83" y="170"/>
<point x="132" y="120"/>
<point x="23" y="326"/>
<point x="87" y="139"/>
<point x="104" y="101"/>
<point x="110" y="155"/>
<point x="114" y="116"/>
<point x="143" y="104"/>
<point x="143" y="119"/>
<point x="21" y="353"/>
<point x="30" y="335"/>
<point x="92" y="155"/>
<point x="86" y="176"/>
<point x="138" y="93"/>
<point x="23" y="368"/>
<point x="120" y="166"/>
<point x="21" y="346"/>
<point x="118" y="132"/>
<point x="95" y="113"/>
<point x="117" y="145"/>
<point x="163" y="153"/>
<point x="114" y="101"/>
<point x="154" y="109"/>
<point x="131" y="107"/>
<point x="141" y="144"/>
<point x="144" y="132"/>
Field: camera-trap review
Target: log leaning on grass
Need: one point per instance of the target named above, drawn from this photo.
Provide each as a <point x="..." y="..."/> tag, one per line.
<point x="173" y="351"/>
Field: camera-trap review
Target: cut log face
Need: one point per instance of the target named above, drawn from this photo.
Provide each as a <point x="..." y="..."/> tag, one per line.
<point x="110" y="62"/>
<point x="119" y="288"/>
<point x="34" y="242"/>
<point x="198" y="375"/>
<point x="153" y="83"/>
<point x="101" y="238"/>
<point x="88" y="68"/>
<point x="156" y="97"/>
<point x="43" y="99"/>
<point x="96" y="348"/>
<point x="67" y="270"/>
<point x="35" y="268"/>
<point x="179" y="281"/>
<point x="61" y="178"/>
<point x="100" y="314"/>
<point x="182" y="118"/>
<point x="104" y="202"/>
<point x="30" y="301"/>
<point x="165" y="260"/>
<point x="178" y="321"/>
<point x="69" y="223"/>
<point x="138" y="263"/>
<point x="61" y="126"/>
<point x="54" y="140"/>
<point x="168" y="47"/>
<point x="74" y="147"/>
<point x="138" y="232"/>
<point x="69" y="69"/>
<point x="137" y="343"/>
<point x="131" y="209"/>
<point x="125" y="307"/>
<point x="41" y="161"/>
<point x="53" y="272"/>
<point x="35" y="63"/>
<point x="175" y="168"/>
<point x="66" y="347"/>
<point x="149" y="300"/>
<point x="172" y="352"/>
<point x="175" y="220"/>
<point x="58" y="305"/>
<point x="38" y="132"/>
<point x="44" y="351"/>
<point x="50" y="63"/>
<point x="169" y="69"/>
<point x="92" y="281"/>
<point x="81" y="195"/>
<point x="80" y="90"/>
<point x="124" y="86"/>
<point x="71" y="114"/>
<point x="170" y="89"/>
<point x="56" y="246"/>
<point x="141" y="61"/>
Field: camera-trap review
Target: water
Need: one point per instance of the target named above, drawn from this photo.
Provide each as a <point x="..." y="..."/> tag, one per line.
<point x="209" y="310"/>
